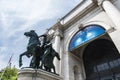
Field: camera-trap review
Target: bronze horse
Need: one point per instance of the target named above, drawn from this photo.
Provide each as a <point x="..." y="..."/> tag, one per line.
<point x="33" y="49"/>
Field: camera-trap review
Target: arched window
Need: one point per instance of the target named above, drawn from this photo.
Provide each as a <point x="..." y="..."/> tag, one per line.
<point x="86" y="34"/>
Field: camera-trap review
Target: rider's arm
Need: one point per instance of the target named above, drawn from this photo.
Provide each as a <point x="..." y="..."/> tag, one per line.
<point x="43" y="35"/>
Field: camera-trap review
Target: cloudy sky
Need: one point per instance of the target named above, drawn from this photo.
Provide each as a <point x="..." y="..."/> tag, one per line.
<point x="18" y="16"/>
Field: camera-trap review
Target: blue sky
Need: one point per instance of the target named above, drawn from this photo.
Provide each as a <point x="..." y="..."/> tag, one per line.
<point x="18" y="16"/>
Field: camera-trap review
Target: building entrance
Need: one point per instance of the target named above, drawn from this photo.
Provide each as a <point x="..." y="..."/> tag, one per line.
<point x="101" y="60"/>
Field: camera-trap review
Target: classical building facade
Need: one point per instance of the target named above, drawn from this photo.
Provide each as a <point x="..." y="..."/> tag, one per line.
<point x="88" y="41"/>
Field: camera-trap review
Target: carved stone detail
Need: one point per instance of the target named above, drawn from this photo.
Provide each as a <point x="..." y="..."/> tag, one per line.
<point x="100" y="2"/>
<point x="58" y="32"/>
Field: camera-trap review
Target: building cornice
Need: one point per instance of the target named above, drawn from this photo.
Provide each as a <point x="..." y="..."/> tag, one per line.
<point x="61" y="21"/>
<point x="80" y="15"/>
<point x="73" y="9"/>
<point x="93" y="5"/>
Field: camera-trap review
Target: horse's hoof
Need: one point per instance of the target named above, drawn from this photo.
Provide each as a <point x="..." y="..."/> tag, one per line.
<point x="40" y="67"/>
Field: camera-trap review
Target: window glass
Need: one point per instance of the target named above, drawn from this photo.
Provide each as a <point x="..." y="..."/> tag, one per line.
<point x="102" y="67"/>
<point x="115" y="63"/>
<point x="95" y="70"/>
<point x="106" y="66"/>
<point x="99" y="67"/>
<point x="119" y="61"/>
<point x="111" y="64"/>
<point x="85" y="35"/>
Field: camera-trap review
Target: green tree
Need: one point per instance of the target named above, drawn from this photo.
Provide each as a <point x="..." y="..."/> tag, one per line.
<point x="9" y="74"/>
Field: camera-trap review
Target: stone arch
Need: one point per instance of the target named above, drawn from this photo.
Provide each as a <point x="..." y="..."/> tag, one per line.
<point x="69" y="38"/>
<point x="101" y="60"/>
<point x="105" y="25"/>
<point x="85" y="34"/>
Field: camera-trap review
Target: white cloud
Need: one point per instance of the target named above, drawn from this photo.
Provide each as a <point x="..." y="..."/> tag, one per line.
<point x="18" y="16"/>
<point x="2" y="62"/>
<point x="3" y="48"/>
<point x="28" y="10"/>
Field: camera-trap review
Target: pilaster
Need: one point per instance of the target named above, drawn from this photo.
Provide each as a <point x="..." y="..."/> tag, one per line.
<point x="57" y="45"/>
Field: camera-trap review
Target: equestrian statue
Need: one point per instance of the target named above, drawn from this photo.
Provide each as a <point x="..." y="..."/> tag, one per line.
<point x="40" y="51"/>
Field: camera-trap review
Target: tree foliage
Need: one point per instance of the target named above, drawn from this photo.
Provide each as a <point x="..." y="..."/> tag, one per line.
<point x="10" y="74"/>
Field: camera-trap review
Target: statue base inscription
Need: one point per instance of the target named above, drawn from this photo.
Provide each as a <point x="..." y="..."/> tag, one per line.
<point x="38" y="74"/>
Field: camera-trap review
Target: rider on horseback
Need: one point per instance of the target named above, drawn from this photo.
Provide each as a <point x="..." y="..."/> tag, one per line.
<point x="40" y="51"/>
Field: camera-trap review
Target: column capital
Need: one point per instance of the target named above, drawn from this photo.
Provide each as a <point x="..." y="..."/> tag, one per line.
<point x="58" y="32"/>
<point x="58" y="29"/>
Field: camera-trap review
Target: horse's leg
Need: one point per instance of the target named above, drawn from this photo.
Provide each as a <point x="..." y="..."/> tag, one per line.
<point x="45" y="68"/>
<point x="54" y="69"/>
<point x="32" y="63"/>
<point x="41" y="65"/>
<point x="49" y="69"/>
<point x="20" y="58"/>
<point x="37" y="61"/>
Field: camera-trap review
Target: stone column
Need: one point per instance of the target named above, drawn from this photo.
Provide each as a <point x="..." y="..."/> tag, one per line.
<point x="111" y="11"/>
<point x="57" y="44"/>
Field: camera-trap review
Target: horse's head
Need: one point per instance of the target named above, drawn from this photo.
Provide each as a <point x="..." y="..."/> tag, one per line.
<point x="30" y="33"/>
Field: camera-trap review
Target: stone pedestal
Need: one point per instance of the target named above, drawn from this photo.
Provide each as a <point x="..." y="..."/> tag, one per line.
<point x="38" y="74"/>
